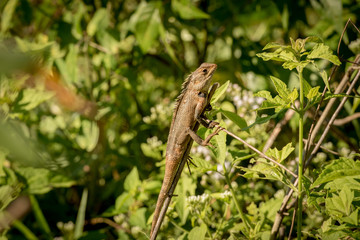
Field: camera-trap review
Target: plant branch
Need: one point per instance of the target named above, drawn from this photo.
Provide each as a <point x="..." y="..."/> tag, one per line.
<point x="280" y="214"/>
<point x="259" y="152"/>
<point x="343" y="121"/>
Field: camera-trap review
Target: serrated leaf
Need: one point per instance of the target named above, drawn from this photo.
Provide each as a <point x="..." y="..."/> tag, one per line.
<point x="352" y="218"/>
<point x="187" y="10"/>
<point x="293" y="95"/>
<point x="197" y="233"/>
<point x="338" y="169"/>
<point x="132" y="180"/>
<point x="313" y="93"/>
<point x="264" y="170"/>
<point x="272" y="45"/>
<point x="219" y="92"/>
<point x="291" y="65"/>
<point x="323" y="51"/>
<point x="99" y="22"/>
<point x="239" y="121"/>
<point x="340" y="204"/>
<point x="281" y="88"/>
<point x="264" y="94"/>
<point x="203" y="165"/>
<point x="282" y="154"/>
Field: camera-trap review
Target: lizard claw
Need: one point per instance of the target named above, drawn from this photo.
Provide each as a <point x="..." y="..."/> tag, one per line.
<point x="212" y="124"/>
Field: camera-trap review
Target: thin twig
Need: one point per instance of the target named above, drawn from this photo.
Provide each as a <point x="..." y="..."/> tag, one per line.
<point x="259" y="152"/>
<point x="323" y="148"/>
<point x="343" y="121"/>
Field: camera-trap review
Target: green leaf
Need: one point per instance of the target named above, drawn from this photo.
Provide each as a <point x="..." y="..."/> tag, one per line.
<point x="272" y="45"/>
<point x="221" y="147"/>
<point x="219" y="92"/>
<point x="323" y="51"/>
<point x="313" y="93"/>
<point x="31" y="98"/>
<point x="99" y="22"/>
<point x="40" y="180"/>
<point x="203" y="165"/>
<point x="353" y="218"/>
<point x="291" y="65"/>
<point x="138" y="218"/>
<point x="7" y="14"/>
<point x="340" y="205"/>
<point x="187" y="11"/>
<point x="293" y="95"/>
<point x="280" y="155"/>
<point x="186" y="187"/>
<point x="132" y="180"/>
<point x="239" y="121"/>
<point x="324" y="77"/>
<point x="198" y="233"/>
<point x="264" y="170"/>
<point x="146" y="23"/>
<point x="80" y="219"/>
<point x="122" y="204"/>
<point x="281" y="88"/>
<point x="270" y="102"/>
<point x="338" y="170"/>
<point x="90" y="135"/>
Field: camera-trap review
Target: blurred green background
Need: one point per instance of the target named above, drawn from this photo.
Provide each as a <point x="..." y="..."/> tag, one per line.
<point x="114" y="69"/>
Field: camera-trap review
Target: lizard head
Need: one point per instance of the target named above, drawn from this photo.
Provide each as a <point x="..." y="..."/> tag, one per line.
<point x="201" y="77"/>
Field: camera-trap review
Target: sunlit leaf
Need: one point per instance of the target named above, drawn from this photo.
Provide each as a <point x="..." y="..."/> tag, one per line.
<point x="338" y="170"/>
<point x="132" y="180"/>
<point x="187" y="10"/>
<point x="198" y="233"/>
<point x="99" y="22"/>
<point x="324" y="77"/>
<point x="281" y="88"/>
<point x="313" y="93"/>
<point x="146" y="23"/>
<point x="220" y="140"/>
<point x="7" y="14"/>
<point x="219" y="92"/>
<point x="340" y="204"/>
<point x="282" y="154"/>
<point x="323" y="51"/>
<point x="239" y="121"/>
<point x="138" y="218"/>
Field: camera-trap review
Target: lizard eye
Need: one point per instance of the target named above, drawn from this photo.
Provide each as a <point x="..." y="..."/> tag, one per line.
<point x="204" y="70"/>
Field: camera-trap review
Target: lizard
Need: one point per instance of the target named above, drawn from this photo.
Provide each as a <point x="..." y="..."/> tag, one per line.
<point x="188" y="110"/>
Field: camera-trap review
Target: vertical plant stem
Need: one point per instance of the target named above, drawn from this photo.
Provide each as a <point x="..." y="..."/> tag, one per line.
<point x="301" y="146"/>
<point x="24" y="230"/>
<point x="40" y="218"/>
<point x="243" y="217"/>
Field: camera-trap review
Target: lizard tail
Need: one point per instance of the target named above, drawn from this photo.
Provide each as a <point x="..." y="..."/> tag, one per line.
<point x="170" y="169"/>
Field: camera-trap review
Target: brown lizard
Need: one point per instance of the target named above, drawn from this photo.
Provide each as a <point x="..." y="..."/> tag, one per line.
<point x="188" y="110"/>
